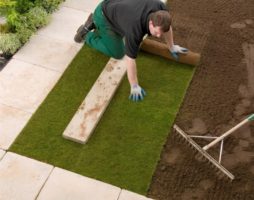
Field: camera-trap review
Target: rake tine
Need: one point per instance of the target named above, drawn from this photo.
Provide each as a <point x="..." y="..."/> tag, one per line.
<point x="221" y="149"/>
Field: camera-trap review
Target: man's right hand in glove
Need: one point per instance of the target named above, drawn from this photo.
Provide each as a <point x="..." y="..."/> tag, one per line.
<point x="137" y="93"/>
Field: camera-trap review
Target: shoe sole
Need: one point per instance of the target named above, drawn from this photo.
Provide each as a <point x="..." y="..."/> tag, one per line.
<point x="78" y="37"/>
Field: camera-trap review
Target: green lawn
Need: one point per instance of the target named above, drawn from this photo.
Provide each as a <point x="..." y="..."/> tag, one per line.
<point x="125" y="146"/>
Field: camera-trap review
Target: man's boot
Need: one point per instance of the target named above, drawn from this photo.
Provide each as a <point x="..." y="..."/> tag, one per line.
<point x="84" y="29"/>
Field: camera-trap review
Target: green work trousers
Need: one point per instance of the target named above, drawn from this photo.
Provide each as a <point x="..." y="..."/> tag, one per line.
<point x="103" y="38"/>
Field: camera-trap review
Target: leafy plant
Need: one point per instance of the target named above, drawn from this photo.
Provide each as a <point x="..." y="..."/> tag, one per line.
<point x="22" y="6"/>
<point x="24" y="17"/>
<point x="12" y="19"/>
<point x="24" y="25"/>
<point x="9" y="43"/>
<point x="4" y="28"/>
<point x="24" y="34"/>
<point x="48" y="5"/>
<point x="6" y="6"/>
<point x="37" y="17"/>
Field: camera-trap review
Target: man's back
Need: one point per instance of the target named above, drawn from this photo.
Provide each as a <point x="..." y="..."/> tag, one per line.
<point x="129" y="18"/>
<point x="123" y="13"/>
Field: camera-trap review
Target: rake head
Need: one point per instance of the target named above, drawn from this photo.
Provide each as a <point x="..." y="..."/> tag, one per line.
<point x="203" y="155"/>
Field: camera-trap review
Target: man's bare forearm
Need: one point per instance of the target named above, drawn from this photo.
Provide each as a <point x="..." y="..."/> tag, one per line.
<point x="131" y="70"/>
<point x="168" y="38"/>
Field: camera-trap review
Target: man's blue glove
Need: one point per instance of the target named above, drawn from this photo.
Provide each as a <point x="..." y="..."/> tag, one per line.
<point x="176" y="49"/>
<point x="137" y="93"/>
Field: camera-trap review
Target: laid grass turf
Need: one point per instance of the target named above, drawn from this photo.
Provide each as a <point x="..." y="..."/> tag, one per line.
<point x="126" y="144"/>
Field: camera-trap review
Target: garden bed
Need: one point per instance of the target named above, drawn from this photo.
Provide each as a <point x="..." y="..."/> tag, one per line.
<point x="220" y="95"/>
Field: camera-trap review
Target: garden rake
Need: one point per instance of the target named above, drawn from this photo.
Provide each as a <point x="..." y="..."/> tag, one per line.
<point x="203" y="150"/>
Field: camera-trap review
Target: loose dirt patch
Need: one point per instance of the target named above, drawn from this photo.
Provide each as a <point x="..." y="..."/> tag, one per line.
<point x="220" y="95"/>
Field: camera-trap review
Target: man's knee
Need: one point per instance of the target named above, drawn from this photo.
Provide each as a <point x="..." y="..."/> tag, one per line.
<point x="118" y="55"/>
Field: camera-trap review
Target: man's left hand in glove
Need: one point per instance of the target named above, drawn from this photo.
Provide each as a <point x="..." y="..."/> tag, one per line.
<point x="176" y="49"/>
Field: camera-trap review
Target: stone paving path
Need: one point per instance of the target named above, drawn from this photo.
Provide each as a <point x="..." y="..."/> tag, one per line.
<point x="24" y="83"/>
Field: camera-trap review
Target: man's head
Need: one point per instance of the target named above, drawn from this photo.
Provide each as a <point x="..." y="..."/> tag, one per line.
<point x="159" y="22"/>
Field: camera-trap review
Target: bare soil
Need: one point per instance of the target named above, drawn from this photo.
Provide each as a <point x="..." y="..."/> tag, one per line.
<point x="220" y="95"/>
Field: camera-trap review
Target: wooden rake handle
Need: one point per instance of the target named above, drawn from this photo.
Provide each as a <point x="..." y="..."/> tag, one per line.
<point x="250" y="118"/>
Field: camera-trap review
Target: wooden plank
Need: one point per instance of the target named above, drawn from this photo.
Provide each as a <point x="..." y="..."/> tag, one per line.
<point x="95" y="103"/>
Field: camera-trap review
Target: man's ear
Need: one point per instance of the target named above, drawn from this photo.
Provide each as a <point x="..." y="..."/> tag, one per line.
<point x="151" y="23"/>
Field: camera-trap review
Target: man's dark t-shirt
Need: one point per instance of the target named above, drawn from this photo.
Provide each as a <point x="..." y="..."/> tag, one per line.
<point x="129" y="19"/>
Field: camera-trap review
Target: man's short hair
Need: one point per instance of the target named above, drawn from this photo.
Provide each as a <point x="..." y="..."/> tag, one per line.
<point x="162" y="19"/>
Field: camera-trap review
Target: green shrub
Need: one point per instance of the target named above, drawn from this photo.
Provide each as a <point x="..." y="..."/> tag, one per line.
<point x="13" y="20"/>
<point x="48" y="5"/>
<point x="9" y="43"/>
<point x="24" y="18"/>
<point x="34" y="19"/>
<point x="24" y="34"/>
<point x="37" y="17"/>
<point x="22" y="6"/>
<point x="18" y="22"/>
<point x="6" y="6"/>
<point x="4" y="28"/>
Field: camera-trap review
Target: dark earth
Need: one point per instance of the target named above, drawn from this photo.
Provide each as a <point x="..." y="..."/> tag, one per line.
<point x="3" y="62"/>
<point x="220" y="95"/>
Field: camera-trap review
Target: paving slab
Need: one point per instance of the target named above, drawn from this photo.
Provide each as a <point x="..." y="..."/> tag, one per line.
<point x="21" y="178"/>
<point x="64" y="24"/>
<point x="24" y="86"/>
<point x="2" y="152"/>
<point x="12" y="122"/>
<point x="84" y="5"/>
<point x="95" y="103"/>
<point x="127" y="195"/>
<point x="48" y="52"/>
<point x="66" y="185"/>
